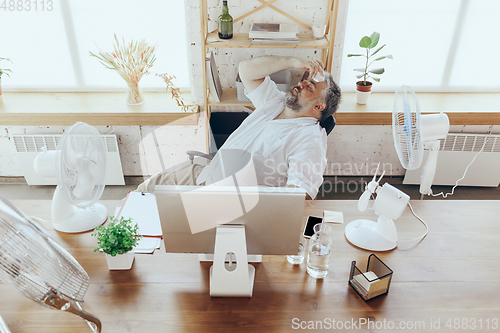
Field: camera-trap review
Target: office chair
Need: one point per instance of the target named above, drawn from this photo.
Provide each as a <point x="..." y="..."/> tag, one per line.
<point x="328" y="124"/>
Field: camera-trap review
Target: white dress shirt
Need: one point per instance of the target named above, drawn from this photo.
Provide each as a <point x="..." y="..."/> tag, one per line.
<point x="283" y="151"/>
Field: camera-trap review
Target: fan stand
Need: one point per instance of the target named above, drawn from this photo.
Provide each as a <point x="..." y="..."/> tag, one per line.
<point x="71" y="219"/>
<point x="371" y="235"/>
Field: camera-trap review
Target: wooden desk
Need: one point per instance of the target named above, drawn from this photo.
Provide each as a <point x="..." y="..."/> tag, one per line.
<point x="453" y="273"/>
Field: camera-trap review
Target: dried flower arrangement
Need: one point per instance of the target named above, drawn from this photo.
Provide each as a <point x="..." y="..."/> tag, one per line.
<point x="176" y="93"/>
<point x="132" y="61"/>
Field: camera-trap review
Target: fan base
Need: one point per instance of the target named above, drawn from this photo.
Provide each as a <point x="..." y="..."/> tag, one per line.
<point x="363" y="234"/>
<point x="82" y="219"/>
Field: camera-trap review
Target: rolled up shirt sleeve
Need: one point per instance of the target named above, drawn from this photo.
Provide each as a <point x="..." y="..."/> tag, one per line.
<point x="265" y="92"/>
<point x="307" y="166"/>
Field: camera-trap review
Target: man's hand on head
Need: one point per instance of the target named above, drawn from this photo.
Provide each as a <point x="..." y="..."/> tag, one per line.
<point x="253" y="70"/>
<point x="313" y="66"/>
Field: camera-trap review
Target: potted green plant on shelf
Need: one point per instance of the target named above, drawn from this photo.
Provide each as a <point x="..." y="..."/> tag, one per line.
<point x="117" y="240"/>
<point x="4" y="71"/>
<point x="363" y="87"/>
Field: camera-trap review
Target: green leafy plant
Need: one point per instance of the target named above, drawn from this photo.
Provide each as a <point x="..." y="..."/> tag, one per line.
<point x="117" y="237"/>
<point x="369" y="43"/>
<point x="5" y="70"/>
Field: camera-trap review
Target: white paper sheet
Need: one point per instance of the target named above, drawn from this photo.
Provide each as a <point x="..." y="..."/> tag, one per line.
<point x="141" y="207"/>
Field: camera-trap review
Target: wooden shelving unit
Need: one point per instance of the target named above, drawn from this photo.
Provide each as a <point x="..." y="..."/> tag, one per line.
<point x="210" y="39"/>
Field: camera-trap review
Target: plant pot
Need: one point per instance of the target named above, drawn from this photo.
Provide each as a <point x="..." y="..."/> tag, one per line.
<point x="363" y="92"/>
<point x="121" y="261"/>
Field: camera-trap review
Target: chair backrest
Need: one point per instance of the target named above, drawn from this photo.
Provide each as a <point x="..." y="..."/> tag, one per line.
<point x="224" y="123"/>
<point x="328" y="124"/>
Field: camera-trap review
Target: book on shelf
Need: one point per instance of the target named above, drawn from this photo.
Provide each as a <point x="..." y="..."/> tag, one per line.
<point x="275" y="40"/>
<point x="273" y="30"/>
<point x="213" y="77"/>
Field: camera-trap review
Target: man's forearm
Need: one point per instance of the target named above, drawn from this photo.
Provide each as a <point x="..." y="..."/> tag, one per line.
<point x="260" y="67"/>
<point x="253" y="71"/>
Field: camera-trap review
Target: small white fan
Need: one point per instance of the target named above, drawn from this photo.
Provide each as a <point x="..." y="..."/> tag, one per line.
<point x="414" y="132"/>
<point x="389" y="205"/>
<point x="34" y="264"/>
<point x="79" y="164"/>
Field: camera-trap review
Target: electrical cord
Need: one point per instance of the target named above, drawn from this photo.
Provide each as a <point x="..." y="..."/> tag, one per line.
<point x="466" y="169"/>
<point x="38" y="220"/>
<point x="420" y="238"/>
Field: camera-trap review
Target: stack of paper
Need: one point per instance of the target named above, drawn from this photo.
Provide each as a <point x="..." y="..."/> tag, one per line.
<point x="141" y="207"/>
<point x="369" y="285"/>
<point x="273" y="33"/>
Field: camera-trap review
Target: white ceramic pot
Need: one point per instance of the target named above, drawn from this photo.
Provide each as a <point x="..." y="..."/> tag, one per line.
<point x="362" y="97"/>
<point x="121" y="262"/>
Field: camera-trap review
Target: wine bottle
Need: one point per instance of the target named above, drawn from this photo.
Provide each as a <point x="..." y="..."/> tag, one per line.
<point x="225" y="23"/>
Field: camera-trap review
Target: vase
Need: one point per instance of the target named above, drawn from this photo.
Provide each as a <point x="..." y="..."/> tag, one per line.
<point x="134" y="94"/>
<point x="121" y="261"/>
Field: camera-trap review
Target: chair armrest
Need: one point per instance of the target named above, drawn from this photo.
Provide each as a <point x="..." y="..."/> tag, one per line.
<point x="193" y="153"/>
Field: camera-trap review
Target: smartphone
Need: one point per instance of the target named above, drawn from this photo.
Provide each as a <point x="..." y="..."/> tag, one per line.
<point x="310" y="223"/>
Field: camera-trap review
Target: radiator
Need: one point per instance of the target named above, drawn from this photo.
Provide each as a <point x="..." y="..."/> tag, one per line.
<point x="28" y="147"/>
<point x="455" y="153"/>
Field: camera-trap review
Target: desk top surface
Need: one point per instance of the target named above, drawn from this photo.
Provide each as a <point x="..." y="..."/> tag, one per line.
<point x="453" y="273"/>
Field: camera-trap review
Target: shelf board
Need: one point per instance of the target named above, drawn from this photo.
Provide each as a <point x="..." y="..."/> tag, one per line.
<point x="461" y="108"/>
<point x="242" y="40"/>
<point x="229" y="98"/>
<point x="97" y="109"/>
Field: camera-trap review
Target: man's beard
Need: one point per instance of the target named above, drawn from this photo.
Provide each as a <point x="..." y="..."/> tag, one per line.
<point x="292" y="101"/>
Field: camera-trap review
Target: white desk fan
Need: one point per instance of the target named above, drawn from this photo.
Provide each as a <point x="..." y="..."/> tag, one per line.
<point x="413" y="133"/>
<point x="79" y="164"/>
<point x="34" y="264"/>
<point x="389" y="205"/>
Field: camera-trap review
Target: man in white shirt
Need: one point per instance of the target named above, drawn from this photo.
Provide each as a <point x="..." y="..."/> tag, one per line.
<point x="282" y="136"/>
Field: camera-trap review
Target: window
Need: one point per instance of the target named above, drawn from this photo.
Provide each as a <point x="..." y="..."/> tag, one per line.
<point x="49" y="41"/>
<point x="441" y="46"/>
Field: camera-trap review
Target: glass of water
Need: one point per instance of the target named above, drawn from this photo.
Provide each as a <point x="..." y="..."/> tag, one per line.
<point x="318" y="257"/>
<point x="298" y="258"/>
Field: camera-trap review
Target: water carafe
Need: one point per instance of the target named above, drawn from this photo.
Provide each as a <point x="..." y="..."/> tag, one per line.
<point x="318" y="257"/>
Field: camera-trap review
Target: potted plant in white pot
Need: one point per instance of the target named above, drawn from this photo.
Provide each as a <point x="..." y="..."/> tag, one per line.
<point x="363" y="87"/>
<point x="117" y="240"/>
<point x="3" y="71"/>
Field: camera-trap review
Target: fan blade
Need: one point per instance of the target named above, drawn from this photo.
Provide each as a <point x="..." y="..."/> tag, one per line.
<point x="363" y="200"/>
<point x="84" y="184"/>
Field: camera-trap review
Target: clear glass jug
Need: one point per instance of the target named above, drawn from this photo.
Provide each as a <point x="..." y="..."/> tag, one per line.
<point x="318" y="257"/>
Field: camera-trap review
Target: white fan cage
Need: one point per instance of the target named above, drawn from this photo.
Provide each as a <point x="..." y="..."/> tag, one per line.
<point x="406" y="128"/>
<point x="81" y="142"/>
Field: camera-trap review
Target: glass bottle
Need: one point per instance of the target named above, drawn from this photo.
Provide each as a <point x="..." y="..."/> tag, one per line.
<point x="318" y="257"/>
<point x="225" y="23"/>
